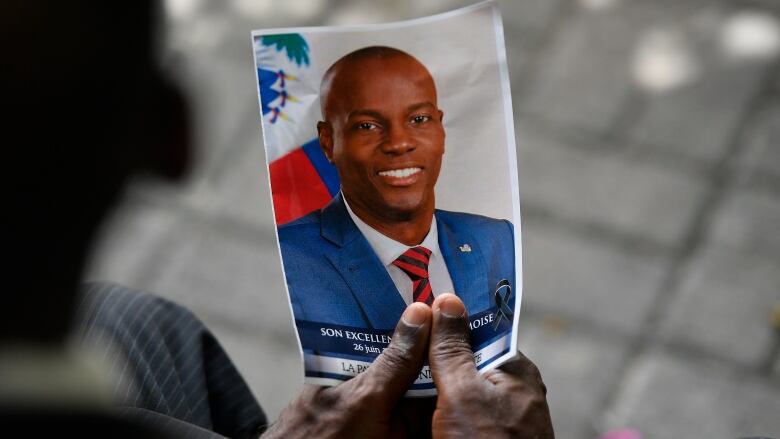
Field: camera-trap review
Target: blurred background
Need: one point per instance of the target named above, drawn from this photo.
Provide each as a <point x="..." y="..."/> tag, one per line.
<point x="648" y="136"/>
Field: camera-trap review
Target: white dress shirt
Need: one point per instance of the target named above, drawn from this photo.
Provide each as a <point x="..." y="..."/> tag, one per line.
<point x="388" y="250"/>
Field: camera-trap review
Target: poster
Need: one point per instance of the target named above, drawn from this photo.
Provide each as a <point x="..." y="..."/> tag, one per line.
<point x="393" y="173"/>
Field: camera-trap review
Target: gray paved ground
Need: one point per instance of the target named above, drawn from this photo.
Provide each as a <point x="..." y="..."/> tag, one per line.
<point x="651" y="206"/>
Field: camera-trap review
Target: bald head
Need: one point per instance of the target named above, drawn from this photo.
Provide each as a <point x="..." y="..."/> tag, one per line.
<point x="363" y="65"/>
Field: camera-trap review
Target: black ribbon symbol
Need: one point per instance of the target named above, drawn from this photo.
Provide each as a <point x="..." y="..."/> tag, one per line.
<point x="502" y="302"/>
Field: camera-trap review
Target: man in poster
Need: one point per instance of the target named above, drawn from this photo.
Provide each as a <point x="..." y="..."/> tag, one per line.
<point x="381" y="244"/>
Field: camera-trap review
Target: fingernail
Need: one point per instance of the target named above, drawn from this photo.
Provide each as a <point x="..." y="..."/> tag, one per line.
<point x="451" y="307"/>
<point x="414" y="314"/>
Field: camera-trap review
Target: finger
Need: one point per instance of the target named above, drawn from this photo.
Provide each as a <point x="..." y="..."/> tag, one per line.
<point x="398" y="366"/>
<point x="520" y="368"/>
<point x="449" y="355"/>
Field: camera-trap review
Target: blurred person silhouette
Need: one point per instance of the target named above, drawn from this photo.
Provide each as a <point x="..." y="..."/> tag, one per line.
<point x="87" y="106"/>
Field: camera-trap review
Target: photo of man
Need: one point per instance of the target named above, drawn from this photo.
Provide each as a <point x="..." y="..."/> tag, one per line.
<point x="381" y="243"/>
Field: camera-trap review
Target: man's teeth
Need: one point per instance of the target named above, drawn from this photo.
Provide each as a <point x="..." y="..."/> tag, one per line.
<point x="400" y="173"/>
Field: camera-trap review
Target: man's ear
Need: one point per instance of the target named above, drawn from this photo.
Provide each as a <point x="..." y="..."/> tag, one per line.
<point x="441" y="121"/>
<point x="325" y="135"/>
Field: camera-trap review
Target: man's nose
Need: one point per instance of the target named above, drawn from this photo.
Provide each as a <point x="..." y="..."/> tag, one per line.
<point x="399" y="140"/>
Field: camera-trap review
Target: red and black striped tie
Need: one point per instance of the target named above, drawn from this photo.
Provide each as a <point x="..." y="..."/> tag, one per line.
<point x="414" y="262"/>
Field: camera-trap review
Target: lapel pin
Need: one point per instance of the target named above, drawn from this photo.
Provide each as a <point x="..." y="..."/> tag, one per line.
<point x="465" y="248"/>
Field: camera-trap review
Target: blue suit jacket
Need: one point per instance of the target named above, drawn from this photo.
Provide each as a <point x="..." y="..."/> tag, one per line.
<point x="334" y="276"/>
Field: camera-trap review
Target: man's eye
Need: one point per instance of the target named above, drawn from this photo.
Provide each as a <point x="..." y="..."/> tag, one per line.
<point x="366" y="126"/>
<point x="420" y="119"/>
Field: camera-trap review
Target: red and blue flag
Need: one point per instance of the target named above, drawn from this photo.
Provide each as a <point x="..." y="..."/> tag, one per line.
<point x="302" y="179"/>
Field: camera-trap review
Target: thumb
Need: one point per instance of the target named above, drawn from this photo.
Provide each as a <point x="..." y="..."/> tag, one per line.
<point x="450" y="356"/>
<point x="398" y="366"/>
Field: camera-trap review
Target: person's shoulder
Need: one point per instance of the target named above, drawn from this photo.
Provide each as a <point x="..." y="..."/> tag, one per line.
<point x="469" y="221"/>
<point x="109" y="311"/>
<point x="116" y="300"/>
<point x="312" y="218"/>
<point x="112" y="304"/>
<point x="306" y="224"/>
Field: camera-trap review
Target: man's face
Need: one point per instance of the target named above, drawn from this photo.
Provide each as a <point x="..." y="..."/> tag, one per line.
<point x="384" y="133"/>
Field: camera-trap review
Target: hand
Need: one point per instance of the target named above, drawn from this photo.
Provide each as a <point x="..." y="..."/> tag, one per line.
<point x="506" y="402"/>
<point x="366" y="406"/>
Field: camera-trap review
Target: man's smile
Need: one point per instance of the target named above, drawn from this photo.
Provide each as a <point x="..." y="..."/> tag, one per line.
<point x="400" y="177"/>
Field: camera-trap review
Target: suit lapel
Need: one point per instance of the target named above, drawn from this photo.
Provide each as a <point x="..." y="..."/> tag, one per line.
<point x="467" y="268"/>
<point x="361" y="269"/>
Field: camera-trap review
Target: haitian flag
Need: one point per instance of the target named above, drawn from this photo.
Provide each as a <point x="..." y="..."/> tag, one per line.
<point x="302" y="179"/>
